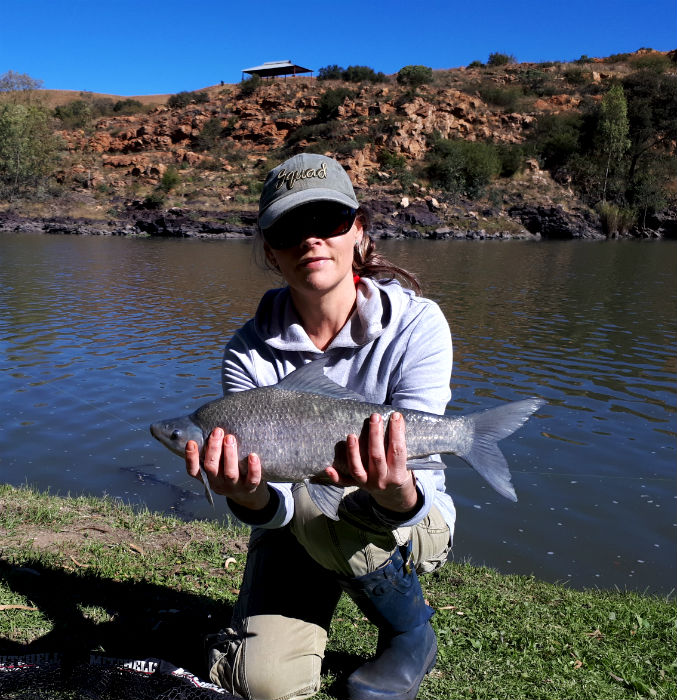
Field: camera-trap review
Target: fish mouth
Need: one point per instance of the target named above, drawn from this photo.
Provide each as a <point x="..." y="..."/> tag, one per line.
<point x="174" y="434"/>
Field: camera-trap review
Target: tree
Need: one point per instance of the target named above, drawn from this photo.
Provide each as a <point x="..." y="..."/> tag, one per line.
<point x="27" y="147"/>
<point x="18" y="85"/>
<point x="613" y="129"/>
<point x="652" y="110"/>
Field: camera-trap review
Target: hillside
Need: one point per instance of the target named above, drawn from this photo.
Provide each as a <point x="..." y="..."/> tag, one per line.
<point x="59" y="98"/>
<point x="474" y="152"/>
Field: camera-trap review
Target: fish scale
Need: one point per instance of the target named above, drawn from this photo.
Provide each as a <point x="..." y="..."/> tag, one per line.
<point x="299" y="426"/>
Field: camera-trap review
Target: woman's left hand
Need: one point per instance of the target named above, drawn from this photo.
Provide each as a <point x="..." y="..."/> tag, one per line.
<point x="385" y="476"/>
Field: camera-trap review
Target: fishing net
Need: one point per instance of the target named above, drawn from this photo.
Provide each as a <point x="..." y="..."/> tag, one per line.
<point x="52" y="677"/>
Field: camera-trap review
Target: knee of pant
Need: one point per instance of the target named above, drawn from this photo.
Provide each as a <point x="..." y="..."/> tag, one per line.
<point x="277" y="678"/>
<point x="280" y="657"/>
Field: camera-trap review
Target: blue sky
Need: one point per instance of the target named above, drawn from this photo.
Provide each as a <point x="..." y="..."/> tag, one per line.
<point x="140" y="47"/>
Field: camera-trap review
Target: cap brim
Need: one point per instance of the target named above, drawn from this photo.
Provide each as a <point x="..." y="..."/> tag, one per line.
<point x="283" y="206"/>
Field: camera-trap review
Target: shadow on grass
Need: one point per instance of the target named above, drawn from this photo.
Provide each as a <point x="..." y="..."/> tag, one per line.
<point x="142" y="620"/>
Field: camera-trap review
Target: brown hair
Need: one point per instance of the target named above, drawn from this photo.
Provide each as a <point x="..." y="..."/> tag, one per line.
<point x="368" y="263"/>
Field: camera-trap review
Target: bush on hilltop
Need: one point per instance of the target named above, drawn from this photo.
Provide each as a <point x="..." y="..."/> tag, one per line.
<point x="415" y="76"/>
<point x="501" y="59"/>
<point x="250" y="85"/>
<point x="183" y="99"/>
<point x="351" y="74"/>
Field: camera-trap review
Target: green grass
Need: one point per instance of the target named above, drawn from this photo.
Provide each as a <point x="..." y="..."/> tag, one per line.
<point x="103" y="576"/>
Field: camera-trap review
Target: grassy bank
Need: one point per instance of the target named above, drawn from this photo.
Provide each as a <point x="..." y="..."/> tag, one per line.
<point x="81" y="574"/>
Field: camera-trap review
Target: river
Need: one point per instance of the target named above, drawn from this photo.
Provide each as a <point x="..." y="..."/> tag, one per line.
<point x="101" y="336"/>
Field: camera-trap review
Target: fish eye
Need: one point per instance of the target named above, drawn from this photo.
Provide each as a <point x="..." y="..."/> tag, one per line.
<point x="175" y="435"/>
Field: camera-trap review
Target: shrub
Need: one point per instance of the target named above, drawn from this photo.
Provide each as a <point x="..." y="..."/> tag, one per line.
<point x="74" y="115"/>
<point x="462" y="166"/>
<point x="615" y="220"/>
<point x="250" y="85"/>
<point x="415" y="76"/>
<point x="77" y="114"/>
<point x="183" y="99"/>
<point x="396" y="165"/>
<point x="511" y="157"/>
<point x="330" y="101"/>
<point x="505" y="97"/>
<point x="556" y="137"/>
<point x="577" y="76"/>
<point x="476" y="64"/>
<point x="326" y="136"/>
<point x="332" y="72"/>
<point x="538" y="82"/>
<point x="362" y="74"/>
<point x="351" y="74"/>
<point x="656" y="62"/>
<point x="500" y="59"/>
<point x="128" y="106"/>
<point x="209" y="135"/>
<point x="618" y="58"/>
<point x="170" y="179"/>
<point x="392" y="161"/>
<point x="155" y="200"/>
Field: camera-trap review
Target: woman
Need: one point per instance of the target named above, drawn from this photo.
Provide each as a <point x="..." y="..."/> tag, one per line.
<point x="389" y="345"/>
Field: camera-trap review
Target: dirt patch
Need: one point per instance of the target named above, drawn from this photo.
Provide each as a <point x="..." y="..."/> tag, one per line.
<point x="49" y="524"/>
<point x="95" y="530"/>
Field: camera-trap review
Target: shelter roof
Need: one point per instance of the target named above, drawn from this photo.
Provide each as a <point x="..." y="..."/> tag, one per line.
<point x="272" y="68"/>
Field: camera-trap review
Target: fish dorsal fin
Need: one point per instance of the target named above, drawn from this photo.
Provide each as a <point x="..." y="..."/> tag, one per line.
<point x="311" y="379"/>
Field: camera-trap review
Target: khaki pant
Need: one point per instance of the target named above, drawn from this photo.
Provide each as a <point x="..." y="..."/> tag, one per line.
<point x="275" y="645"/>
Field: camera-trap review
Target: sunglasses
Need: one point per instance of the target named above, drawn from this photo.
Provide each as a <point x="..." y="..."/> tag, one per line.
<point x="321" y="219"/>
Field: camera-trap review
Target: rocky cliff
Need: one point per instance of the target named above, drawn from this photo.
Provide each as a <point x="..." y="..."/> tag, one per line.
<point x="197" y="169"/>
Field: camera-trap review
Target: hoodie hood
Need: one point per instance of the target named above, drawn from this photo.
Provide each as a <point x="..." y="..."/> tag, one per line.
<point x="278" y="324"/>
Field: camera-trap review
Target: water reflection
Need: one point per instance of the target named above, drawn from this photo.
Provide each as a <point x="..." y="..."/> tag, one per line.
<point x="104" y="335"/>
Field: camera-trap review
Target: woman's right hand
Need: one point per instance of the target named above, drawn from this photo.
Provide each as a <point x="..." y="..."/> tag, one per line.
<point x="222" y="466"/>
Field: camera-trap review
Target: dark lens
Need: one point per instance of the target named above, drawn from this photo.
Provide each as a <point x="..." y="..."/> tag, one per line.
<point x="321" y="219"/>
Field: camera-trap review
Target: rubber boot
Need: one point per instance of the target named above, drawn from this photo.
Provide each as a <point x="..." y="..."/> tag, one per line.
<point x="392" y="599"/>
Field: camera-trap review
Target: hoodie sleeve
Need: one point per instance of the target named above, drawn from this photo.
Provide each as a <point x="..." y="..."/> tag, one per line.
<point x="238" y="373"/>
<point x="422" y="383"/>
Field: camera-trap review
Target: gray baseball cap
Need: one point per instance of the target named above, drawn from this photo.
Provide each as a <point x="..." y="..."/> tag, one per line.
<point x="304" y="178"/>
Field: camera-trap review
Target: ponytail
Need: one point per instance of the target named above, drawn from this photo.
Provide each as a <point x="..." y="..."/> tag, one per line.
<point x="368" y="263"/>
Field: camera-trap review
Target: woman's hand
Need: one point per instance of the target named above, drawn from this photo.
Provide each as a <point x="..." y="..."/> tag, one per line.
<point x="385" y="476"/>
<point x="223" y="471"/>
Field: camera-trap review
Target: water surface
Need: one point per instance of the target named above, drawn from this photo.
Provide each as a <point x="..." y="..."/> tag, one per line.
<point x="102" y="336"/>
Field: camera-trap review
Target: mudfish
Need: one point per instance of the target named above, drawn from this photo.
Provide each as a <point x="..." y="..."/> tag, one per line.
<point x="299" y="426"/>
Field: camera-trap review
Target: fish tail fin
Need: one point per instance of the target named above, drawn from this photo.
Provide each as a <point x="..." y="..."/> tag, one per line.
<point x="493" y="425"/>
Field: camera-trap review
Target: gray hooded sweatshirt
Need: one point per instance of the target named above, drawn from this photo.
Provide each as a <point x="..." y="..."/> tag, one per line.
<point x="395" y="349"/>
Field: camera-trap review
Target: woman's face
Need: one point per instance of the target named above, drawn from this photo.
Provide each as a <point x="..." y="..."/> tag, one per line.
<point x="318" y="264"/>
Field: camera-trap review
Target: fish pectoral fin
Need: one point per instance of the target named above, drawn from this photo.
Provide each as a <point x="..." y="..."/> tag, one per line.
<point x="205" y="482"/>
<point x="326" y="497"/>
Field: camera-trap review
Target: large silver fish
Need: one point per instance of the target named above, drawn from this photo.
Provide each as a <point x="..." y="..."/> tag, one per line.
<point x="298" y="427"/>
